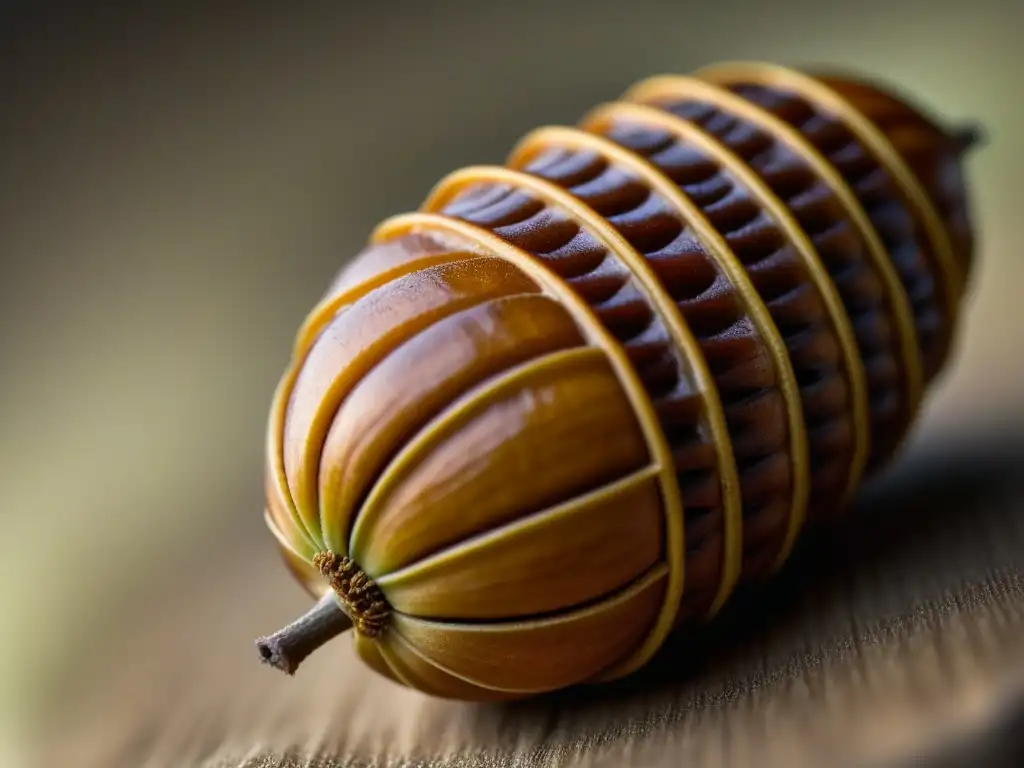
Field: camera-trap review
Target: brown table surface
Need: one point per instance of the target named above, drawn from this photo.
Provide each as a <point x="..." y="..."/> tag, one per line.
<point x="895" y="633"/>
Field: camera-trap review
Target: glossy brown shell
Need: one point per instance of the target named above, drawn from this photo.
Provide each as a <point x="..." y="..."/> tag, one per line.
<point x="572" y="401"/>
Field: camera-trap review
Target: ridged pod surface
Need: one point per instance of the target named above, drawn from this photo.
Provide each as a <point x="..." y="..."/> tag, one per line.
<point x="573" y="400"/>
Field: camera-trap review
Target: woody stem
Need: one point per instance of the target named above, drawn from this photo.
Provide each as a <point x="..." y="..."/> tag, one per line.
<point x="286" y="648"/>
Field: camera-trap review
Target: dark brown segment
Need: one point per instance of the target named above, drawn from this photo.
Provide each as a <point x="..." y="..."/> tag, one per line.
<point x="781" y="278"/>
<point x="738" y="358"/>
<point x="840" y="246"/>
<point x="932" y="153"/>
<point x="897" y="225"/>
<point x="609" y="287"/>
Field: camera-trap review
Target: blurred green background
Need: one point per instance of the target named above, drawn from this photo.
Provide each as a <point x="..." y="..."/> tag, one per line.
<point x="179" y="184"/>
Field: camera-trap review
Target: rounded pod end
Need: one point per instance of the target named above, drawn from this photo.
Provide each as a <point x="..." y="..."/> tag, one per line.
<point x="462" y="468"/>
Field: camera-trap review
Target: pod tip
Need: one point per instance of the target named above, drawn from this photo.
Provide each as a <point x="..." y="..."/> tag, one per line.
<point x="969" y="136"/>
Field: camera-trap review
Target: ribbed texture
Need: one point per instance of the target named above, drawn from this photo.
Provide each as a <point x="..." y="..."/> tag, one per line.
<point x="605" y="282"/>
<point x="575" y="399"/>
<point x="733" y="348"/>
<point x="837" y="240"/>
<point x="783" y="284"/>
<point x="893" y="218"/>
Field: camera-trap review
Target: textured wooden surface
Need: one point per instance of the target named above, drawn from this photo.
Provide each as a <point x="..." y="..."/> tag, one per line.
<point x="895" y="633"/>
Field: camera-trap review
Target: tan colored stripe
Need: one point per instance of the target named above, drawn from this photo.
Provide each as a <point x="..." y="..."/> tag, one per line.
<point x="324" y="312"/>
<point x="405" y="625"/>
<point x="664" y="87"/>
<point x="723" y="256"/>
<point x="591" y="326"/>
<point x="679" y="330"/>
<point x="952" y="276"/>
<point x="277" y="480"/>
<point x="843" y="327"/>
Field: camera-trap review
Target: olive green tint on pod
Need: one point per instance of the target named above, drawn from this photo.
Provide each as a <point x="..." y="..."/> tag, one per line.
<point x="565" y="407"/>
